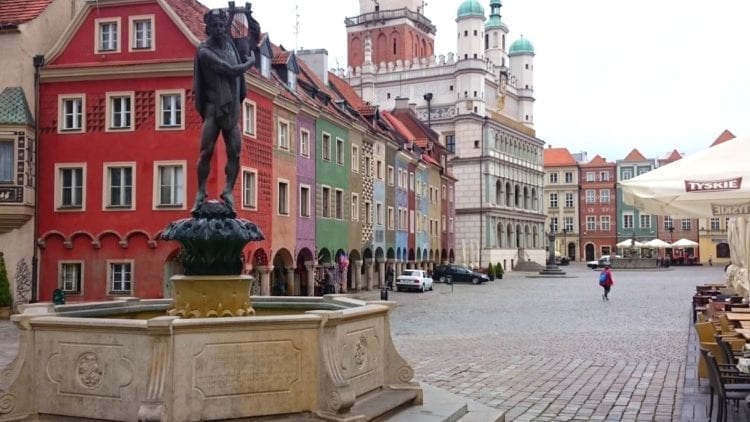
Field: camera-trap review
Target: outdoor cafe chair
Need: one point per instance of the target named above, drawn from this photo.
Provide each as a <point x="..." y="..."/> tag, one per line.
<point x="724" y="387"/>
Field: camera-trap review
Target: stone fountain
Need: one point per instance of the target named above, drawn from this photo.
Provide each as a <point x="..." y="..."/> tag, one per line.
<point x="213" y="352"/>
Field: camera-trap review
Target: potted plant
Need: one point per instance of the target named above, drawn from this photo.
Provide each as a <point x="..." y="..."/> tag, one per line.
<point x="499" y="271"/>
<point x="490" y="271"/>
<point x="5" y="295"/>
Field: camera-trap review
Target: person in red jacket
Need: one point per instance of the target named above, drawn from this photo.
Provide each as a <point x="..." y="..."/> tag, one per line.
<point x="606" y="281"/>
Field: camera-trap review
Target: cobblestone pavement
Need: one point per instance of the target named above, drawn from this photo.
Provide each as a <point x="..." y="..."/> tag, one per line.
<point x="551" y="349"/>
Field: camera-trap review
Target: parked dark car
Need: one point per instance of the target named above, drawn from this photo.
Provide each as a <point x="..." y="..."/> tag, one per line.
<point x="458" y="274"/>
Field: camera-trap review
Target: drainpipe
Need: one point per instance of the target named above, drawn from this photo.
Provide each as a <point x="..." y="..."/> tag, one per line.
<point x="38" y="63"/>
<point x="428" y="97"/>
<point x="481" y="193"/>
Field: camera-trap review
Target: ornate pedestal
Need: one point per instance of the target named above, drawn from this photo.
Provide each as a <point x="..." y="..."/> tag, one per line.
<point x="211" y="296"/>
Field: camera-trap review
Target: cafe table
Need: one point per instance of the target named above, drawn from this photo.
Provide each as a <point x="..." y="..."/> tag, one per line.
<point x="738" y="316"/>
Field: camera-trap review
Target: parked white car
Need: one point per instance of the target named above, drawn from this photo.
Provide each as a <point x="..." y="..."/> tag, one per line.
<point x="602" y="262"/>
<point x="414" y="280"/>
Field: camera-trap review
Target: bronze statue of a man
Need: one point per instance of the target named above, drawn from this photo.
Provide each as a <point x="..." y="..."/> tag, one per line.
<point x="219" y="88"/>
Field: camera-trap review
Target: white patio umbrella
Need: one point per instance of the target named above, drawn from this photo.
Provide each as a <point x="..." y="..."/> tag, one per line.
<point x="657" y="243"/>
<point x="708" y="183"/>
<point x="684" y="243"/>
<point x="628" y="243"/>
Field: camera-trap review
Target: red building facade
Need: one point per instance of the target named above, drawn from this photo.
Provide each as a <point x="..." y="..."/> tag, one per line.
<point x="598" y="208"/>
<point x="118" y="144"/>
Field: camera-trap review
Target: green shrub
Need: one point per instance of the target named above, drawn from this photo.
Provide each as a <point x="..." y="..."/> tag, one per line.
<point x="490" y="271"/>
<point x="499" y="270"/>
<point x="5" y="297"/>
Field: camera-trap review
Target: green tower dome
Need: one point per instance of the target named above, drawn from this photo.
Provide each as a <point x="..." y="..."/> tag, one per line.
<point x="494" y="22"/>
<point x="470" y="8"/>
<point x="521" y="46"/>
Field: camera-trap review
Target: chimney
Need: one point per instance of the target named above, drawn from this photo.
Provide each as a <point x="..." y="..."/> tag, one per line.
<point x="317" y="59"/>
<point x="401" y="103"/>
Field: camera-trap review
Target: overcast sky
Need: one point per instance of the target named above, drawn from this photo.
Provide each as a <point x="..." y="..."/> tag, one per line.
<point x="610" y="76"/>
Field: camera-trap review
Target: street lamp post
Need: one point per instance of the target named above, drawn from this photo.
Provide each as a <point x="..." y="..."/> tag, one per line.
<point x="552" y="269"/>
<point x="565" y="242"/>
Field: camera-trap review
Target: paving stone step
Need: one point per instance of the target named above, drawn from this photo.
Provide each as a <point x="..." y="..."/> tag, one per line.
<point x="442" y="406"/>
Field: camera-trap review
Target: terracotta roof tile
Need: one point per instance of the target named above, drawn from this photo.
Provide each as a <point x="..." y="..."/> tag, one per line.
<point x="16" y="12"/>
<point x="191" y="13"/>
<point x="635" y="155"/>
<point x="346" y="91"/>
<point x="430" y="160"/>
<point x="416" y="126"/>
<point x="367" y="110"/>
<point x="281" y="58"/>
<point x="725" y="136"/>
<point x="398" y="125"/>
<point x="558" y="157"/>
<point x="597" y="161"/>
<point x="673" y="156"/>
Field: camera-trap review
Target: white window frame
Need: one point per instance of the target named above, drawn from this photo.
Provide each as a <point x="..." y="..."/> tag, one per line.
<point x="411" y="181"/>
<point x="325" y="204"/>
<point x="338" y="204"/>
<point x="627" y="174"/>
<point x="178" y="115"/>
<point x="379" y="213"/>
<point x="304" y="143"/>
<point x="111" y="97"/>
<point x="554" y="224"/>
<point x="340" y="151"/>
<point x="605" y="223"/>
<point x="249" y="115"/>
<point x="304" y="203"/>
<point x="391" y="176"/>
<point x="355" y="207"/>
<point x="553" y="178"/>
<point x="283" y="142"/>
<point x="668" y="222"/>
<point x="175" y="188"/>
<point x="450" y="225"/>
<point x="252" y="205"/>
<point x="625" y="224"/>
<point x="554" y="200"/>
<point x="444" y="223"/>
<point x="355" y="158"/>
<point x="59" y="167"/>
<point x="569" y="200"/>
<point x="411" y="221"/>
<point x="714" y="223"/>
<point x="110" y="277"/>
<point x="325" y="146"/>
<point x="568" y="224"/>
<point x="391" y="218"/>
<point x="379" y="170"/>
<point x="644" y="222"/>
<point x="132" y="43"/>
<point x="107" y="186"/>
<point x="8" y="164"/>
<point x="590" y="196"/>
<point x="61" y="115"/>
<point x="604" y="196"/>
<point x="687" y="224"/>
<point x="98" y="23"/>
<point x="591" y="223"/>
<point x="61" y="277"/>
<point x="450" y="194"/>
<point x="368" y="213"/>
<point x="568" y="177"/>
<point x="282" y="203"/>
<point x="590" y="176"/>
<point x="604" y="176"/>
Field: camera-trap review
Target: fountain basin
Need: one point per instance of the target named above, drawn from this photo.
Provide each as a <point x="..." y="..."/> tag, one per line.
<point x="127" y="360"/>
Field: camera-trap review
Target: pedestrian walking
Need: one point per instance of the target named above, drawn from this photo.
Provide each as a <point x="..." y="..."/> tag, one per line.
<point x="606" y="281"/>
<point x="389" y="276"/>
<point x="710" y="260"/>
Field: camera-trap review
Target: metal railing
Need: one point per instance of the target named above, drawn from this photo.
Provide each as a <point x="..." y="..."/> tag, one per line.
<point x="384" y="15"/>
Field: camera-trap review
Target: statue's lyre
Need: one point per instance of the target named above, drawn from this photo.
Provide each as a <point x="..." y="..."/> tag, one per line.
<point x="244" y="29"/>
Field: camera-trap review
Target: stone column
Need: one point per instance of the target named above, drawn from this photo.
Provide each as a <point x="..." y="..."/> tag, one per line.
<point x="381" y="274"/>
<point x="343" y="282"/>
<point x="368" y="273"/>
<point x="310" y="267"/>
<point x="265" y="279"/>
<point x="292" y="289"/>
<point x="357" y="274"/>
